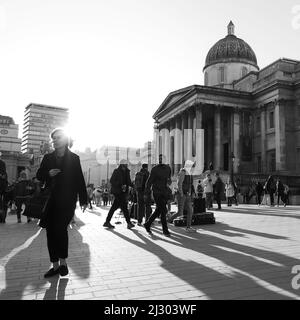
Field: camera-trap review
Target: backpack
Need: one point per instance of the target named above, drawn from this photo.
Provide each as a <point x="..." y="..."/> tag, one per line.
<point x="138" y="181"/>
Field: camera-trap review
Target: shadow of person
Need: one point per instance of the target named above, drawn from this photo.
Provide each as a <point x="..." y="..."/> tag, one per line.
<point x="79" y="251"/>
<point x="22" y="267"/>
<point x="20" y="233"/>
<point x="264" y="211"/>
<point x="57" y="288"/>
<point x="227" y="230"/>
<point x="231" y="271"/>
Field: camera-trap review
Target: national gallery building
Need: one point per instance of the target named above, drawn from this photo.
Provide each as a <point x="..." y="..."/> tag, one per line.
<point x="244" y="118"/>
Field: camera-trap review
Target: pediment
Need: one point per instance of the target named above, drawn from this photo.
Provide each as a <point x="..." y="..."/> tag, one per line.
<point x="172" y="98"/>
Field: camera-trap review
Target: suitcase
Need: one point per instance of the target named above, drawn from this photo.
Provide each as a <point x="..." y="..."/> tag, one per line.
<point x="1" y="215"/>
<point x="180" y="221"/>
<point x="203" y="218"/>
<point x="198" y="219"/>
<point x="199" y="205"/>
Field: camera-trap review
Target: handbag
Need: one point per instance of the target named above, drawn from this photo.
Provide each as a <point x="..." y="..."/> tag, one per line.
<point x="169" y="194"/>
<point x="36" y="205"/>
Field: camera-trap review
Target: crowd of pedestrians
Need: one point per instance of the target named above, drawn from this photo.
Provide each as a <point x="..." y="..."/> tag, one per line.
<point x="60" y="173"/>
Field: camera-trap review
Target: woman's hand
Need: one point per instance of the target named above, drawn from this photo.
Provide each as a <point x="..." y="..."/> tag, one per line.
<point x="54" y="172"/>
<point x="83" y="207"/>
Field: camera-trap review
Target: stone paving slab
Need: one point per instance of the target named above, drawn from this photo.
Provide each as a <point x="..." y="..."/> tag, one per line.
<point x="248" y="254"/>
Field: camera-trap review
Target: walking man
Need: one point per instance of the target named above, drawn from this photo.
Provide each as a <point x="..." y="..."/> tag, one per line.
<point x="3" y="185"/>
<point x="218" y="188"/>
<point x="120" y="183"/>
<point x="144" y="207"/>
<point x="186" y="191"/>
<point x="159" y="181"/>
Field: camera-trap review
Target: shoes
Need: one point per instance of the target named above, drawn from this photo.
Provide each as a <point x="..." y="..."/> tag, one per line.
<point x="52" y="272"/>
<point x="63" y="270"/>
<point x="108" y="225"/>
<point x="190" y="229"/>
<point x="28" y="220"/>
<point x="167" y="235"/>
<point x="130" y="225"/>
<point x="147" y="228"/>
<point x="19" y="221"/>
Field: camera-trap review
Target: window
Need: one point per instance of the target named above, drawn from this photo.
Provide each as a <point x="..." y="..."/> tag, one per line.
<point x="298" y="160"/>
<point x="222" y="74"/>
<point x="259" y="164"/>
<point x="271" y="119"/>
<point x="257" y="127"/>
<point x="271" y="161"/>
<point x="244" y="71"/>
<point x="206" y="78"/>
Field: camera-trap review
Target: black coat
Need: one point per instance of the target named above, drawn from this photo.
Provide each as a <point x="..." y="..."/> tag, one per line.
<point x="3" y="177"/>
<point x="119" y="178"/>
<point x="67" y="185"/>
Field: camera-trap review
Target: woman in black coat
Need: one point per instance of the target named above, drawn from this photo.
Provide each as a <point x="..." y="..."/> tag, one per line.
<point x="61" y="171"/>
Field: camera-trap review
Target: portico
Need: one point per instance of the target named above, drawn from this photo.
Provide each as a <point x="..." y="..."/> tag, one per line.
<point x="201" y="124"/>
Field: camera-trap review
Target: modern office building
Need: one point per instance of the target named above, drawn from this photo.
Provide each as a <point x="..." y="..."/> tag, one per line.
<point x="9" y="140"/>
<point x="39" y="121"/>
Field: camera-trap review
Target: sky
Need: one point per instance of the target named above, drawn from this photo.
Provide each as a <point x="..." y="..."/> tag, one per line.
<point x="113" y="62"/>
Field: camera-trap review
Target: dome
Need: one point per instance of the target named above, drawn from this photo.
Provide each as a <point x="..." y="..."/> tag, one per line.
<point x="231" y="49"/>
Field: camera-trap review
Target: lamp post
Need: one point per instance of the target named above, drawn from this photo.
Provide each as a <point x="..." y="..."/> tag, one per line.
<point x="232" y="164"/>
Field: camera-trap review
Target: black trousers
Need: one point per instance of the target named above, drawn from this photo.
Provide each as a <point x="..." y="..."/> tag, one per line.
<point x="3" y="208"/>
<point x="120" y="201"/>
<point x="282" y="197"/>
<point x="58" y="221"/>
<point x="161" y="210"/>
<point x="144" y="208"/>
<point x="271" y="198"/>
<point x="218" y="199"/>
<point x="258" y="198"/>
<point x="18" y="203"/>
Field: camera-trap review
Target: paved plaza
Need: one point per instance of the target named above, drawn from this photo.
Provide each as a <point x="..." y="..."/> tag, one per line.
<point x="248" y="254"/>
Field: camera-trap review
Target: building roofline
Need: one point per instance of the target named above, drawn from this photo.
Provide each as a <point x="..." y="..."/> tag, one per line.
<point x="282" y="60"/>
<point x="45" y="105"/>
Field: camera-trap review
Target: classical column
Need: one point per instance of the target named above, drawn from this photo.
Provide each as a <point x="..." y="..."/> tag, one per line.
<point x="189" y="136"/>
<point x="217" y="136"/>
<point x="167" y="142"/>
<point x="263" y="139"/>
<point x="177" y="145"/>
<point x="236" y="139"/>
<point x="183" y="135"/>
<point x="162" y="139"/>
<point x="156" y="142"/>
<point x="199" y="141"/>
<point x="280" y="137"/>
<point x="172" y="133"/>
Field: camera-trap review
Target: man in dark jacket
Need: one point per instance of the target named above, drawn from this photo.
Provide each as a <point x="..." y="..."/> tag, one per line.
<point x="23" y="189"/>
<point x="3" y="186"/>
<point x="120" y="183"/>
<point x="144" y="208"/>
<point x="280" y="192"/>
<point x="259" y="189"/>
<point x="218" y="190"/>
<point x="159" y="179"/>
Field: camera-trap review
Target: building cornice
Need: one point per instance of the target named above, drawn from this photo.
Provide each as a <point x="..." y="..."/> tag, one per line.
<point x="198" y="89"/>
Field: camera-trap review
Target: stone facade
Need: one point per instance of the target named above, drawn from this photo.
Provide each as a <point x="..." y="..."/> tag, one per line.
<point x="256" y="117"/>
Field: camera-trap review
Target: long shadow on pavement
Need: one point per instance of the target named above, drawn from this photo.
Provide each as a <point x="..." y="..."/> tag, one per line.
<point x="26" y="264"/>
<point x="249" y="267"/>
<point x="262" y="211"/>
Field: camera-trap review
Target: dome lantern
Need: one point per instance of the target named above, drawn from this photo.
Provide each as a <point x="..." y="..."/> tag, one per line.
<point x="230" y="28"/>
